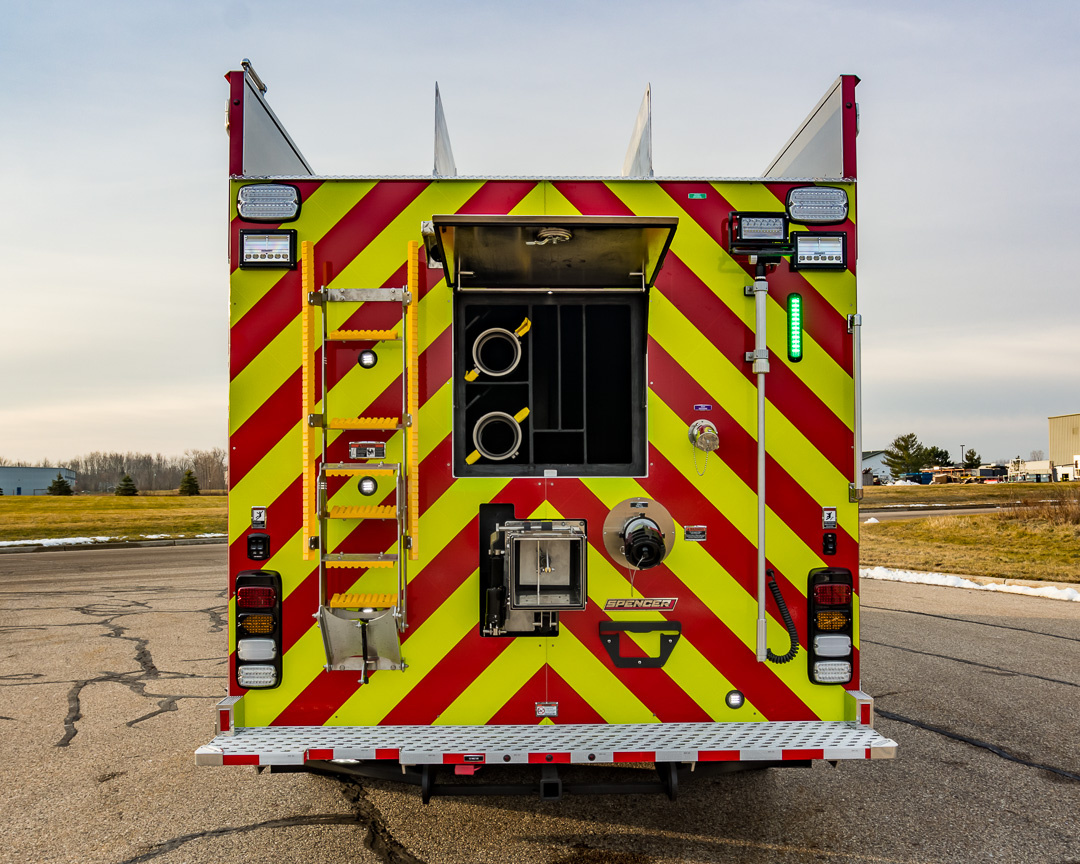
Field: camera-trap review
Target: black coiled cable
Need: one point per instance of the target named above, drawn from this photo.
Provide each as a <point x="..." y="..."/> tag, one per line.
<point x="788" y="623"/>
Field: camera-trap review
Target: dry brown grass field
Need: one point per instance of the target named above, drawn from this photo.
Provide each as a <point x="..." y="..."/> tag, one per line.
<point x="47" y="516"/>
<point x="1037" y="537"/>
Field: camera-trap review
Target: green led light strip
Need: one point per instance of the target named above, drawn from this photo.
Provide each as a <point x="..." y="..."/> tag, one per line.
<point x="794" y="327"/>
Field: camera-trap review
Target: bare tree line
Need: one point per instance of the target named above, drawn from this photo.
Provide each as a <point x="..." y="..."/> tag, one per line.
<point x="100" y="472"/>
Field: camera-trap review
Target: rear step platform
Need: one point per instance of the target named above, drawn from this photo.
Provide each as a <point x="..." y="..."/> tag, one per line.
<point x="548" y="744"/>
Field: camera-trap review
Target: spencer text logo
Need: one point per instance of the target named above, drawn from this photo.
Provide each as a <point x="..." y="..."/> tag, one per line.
<point x="655" y="604"/>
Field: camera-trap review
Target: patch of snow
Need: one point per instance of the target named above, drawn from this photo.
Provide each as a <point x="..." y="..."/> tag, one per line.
<point x="207" y="535"/>
<point x="155" y="536"/>
<point x="905" y="483"/>
<point x="58" y="541"/>
<point x="871" y="521"/>
<point x="885" y="574"/>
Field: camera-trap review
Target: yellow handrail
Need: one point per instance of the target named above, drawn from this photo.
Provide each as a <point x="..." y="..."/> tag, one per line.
<point x="310" y="448"/>
<point x="412" y="432"/>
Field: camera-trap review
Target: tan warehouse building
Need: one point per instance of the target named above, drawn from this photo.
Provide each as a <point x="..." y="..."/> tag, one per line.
<point x="1065" y="440"/>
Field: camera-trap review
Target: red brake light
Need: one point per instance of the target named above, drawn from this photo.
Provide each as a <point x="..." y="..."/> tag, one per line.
<point x="832" y="594"/>
<point x="255" y="597"/>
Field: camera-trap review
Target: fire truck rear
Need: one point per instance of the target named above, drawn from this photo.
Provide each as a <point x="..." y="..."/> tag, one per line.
<point x="543" y="471"/>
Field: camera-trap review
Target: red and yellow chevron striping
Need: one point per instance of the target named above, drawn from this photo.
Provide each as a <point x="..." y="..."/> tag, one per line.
<point x="698" y="325"/>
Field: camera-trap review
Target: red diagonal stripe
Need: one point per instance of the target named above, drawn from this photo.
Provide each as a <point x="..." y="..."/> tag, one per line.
<point x="317" y="702"/>
<point x="422" y="705"/>
<point x="546" y="686"/>
<point x="497" y="197"/>
<point x="270" y="422"/>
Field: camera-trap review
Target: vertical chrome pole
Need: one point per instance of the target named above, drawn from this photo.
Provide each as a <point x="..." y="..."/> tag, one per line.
<point x="760" y="358"/>
<point x="855" y="328"/>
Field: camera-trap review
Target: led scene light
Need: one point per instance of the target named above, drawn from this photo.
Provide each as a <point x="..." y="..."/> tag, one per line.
<point x="268" y="202"/>
<point x="817" y="205"/>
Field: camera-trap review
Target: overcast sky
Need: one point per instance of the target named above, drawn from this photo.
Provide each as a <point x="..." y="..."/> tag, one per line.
<point x="113" y="333"/>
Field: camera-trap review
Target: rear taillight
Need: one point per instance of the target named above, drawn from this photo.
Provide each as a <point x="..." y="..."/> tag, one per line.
<point x="257" y="625"/>
<point x="832" y="594"/>
<point x="831" y="626"/>
<point x="258" y="660"/>
<point x="256" y="596"/>
<point x="831" y="619"/>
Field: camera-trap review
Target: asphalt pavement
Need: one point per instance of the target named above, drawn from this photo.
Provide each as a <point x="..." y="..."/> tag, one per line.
<point x="111" y="661"/>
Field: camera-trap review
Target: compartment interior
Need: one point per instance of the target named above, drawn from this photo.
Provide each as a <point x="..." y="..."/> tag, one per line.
<point x="581" y="376"/>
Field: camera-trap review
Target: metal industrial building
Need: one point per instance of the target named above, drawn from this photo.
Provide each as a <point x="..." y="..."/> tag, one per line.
<point x="23" y="480"/>
<point x="1065" y="441"/>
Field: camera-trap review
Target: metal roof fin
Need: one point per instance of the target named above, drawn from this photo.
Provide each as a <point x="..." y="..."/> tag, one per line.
<point x="445" y="166"/>
<point x="259" y="144"/>
<point x="638" y="161"/>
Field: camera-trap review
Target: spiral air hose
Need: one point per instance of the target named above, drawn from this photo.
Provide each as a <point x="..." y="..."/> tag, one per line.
<point x="788" y="623"/>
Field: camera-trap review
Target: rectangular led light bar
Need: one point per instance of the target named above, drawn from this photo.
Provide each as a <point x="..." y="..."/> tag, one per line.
<point x="795" y="327"/>
<point x="817" y="205"/>
<point x="268" y="202"/>
<point x="753" y="233"/>
<point x="819" y="251"/>
<point x="267" y="249"/>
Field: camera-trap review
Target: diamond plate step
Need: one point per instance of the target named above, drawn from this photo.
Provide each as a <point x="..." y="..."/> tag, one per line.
<point x="570" y="743"/>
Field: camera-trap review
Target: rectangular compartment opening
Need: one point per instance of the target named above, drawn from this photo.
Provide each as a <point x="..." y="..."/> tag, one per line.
<point x="549" y="383"/>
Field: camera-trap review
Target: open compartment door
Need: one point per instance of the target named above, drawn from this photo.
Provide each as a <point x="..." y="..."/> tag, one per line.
<point x="553" y="252"/>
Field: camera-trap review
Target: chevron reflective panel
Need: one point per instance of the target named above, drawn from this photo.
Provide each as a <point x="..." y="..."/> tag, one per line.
<point x="386" y="594"/>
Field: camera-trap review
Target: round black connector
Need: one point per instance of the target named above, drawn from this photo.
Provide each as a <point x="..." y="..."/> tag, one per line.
<point x="643" y="543"/>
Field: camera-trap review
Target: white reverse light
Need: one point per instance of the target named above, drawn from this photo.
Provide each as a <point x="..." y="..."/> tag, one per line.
<point x="832" y="646"/>
<point x="832" y="672"/>
<point x="268" y="202"/>
<point x="255" y="676"/>
<point x="817" y="205"/>
<point x="256" y="649"/>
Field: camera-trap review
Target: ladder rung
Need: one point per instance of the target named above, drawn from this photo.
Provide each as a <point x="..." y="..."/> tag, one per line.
<point x="356" y="471"/>
<point x="349" y="560"/>
<point x="363" y="295"/>
<point x="363" y="335"/>
<point x="365" y="423"/>
<point x="362" y="467"/>
<point x="363" y="601"/>
<point x="364" y="512"/>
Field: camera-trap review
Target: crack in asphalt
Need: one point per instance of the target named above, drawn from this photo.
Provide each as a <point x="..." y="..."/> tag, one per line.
<point x="969" y="621"/>
<point x="378" y="838"/>
<point x="173" y="843"/>
<point x="973" y="663"/>
<point x="975" y="742"/>
<point x="106" y="614"/>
